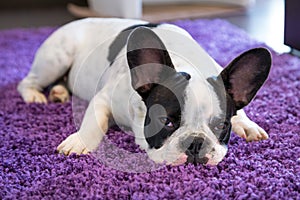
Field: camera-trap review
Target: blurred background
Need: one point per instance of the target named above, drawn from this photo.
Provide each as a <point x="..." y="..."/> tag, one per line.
<point x="262" y="19"/>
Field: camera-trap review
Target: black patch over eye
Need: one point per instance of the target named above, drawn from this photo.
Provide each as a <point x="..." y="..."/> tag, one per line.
<point x="160" y="127"/>
<point x="164" y="104"/>
<point x="221" y="128"/>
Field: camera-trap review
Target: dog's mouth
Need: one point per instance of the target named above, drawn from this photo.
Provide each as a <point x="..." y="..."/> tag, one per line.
<point x="196" y="160"/>
<point x="181" y="160"/>
<point x="186" y="159"/>
<point x="212" y="158"/>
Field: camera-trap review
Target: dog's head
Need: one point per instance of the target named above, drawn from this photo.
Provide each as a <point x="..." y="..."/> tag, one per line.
<point x="188" y="118"/>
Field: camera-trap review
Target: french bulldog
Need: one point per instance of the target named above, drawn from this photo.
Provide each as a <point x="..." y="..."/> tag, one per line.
<point x="153" y="78"/>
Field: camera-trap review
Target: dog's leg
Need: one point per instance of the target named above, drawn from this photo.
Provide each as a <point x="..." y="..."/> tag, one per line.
<point x="246" y="128"/>
<point x="94" y="126"/>
<point x="51" y="62"/>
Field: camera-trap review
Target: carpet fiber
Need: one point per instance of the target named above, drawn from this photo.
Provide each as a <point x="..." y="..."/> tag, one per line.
<point x="29" y="135"/>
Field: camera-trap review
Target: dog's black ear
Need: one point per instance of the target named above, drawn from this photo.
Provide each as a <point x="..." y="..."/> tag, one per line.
<point x="148" y="60"/>
<point x="244" y="76"/>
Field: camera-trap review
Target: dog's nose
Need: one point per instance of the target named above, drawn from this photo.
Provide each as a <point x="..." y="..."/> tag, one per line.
<point x="194" y="149"/>
<point x="195" y="146"/>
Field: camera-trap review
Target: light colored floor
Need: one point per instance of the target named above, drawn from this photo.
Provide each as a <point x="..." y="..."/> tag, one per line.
<point x="264" y="21"/>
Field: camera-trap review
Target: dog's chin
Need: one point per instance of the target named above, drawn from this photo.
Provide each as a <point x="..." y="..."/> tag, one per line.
<point x="212" y="158"/>
<point x="183" y="159"/>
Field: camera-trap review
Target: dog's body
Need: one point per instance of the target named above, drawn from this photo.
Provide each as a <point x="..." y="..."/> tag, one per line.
<point x="125" y="68"/>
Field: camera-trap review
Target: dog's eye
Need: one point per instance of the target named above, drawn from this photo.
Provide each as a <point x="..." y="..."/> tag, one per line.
<point x="221" y="126"/>
<point x="167" y="122"/>
<point x="170" y="124"/>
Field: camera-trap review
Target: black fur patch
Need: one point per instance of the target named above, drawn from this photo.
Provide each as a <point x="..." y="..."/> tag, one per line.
<point x="166" y="100"/>
<point x="221" y="126"/>
<point x="121" y="39"/>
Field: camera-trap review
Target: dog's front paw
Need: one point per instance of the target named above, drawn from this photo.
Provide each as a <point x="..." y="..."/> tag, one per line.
<point x="59" y="93"/>
<point x="72" y="144"/>
<point x="33" y="96"/>
<point x="248" y="129"/>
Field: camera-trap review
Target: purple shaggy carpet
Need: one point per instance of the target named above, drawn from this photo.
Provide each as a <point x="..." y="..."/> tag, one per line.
<point x="29" y="135"/>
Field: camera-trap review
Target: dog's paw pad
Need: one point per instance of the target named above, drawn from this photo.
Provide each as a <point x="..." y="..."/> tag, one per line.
<point x="248" y="130"/>
<point x="72" y="144"/>
<point x="34" y="96"/>
<point x="59" y="94"/>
